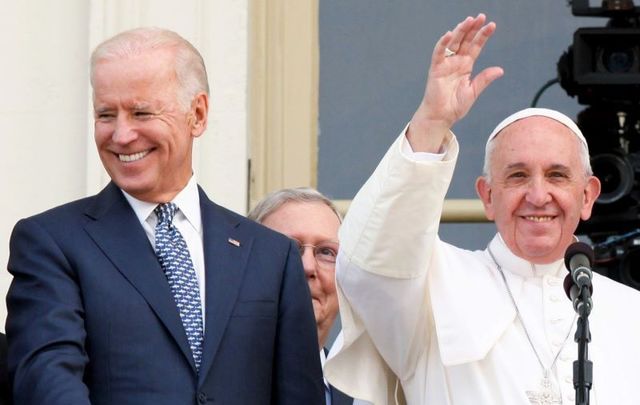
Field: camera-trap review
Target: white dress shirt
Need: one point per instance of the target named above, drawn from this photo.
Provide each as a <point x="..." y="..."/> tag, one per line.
<point x="188" y="221"/>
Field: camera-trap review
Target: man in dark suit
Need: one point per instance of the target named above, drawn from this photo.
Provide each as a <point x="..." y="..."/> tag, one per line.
<point x="148" y="292"/>
<point x="312" y="221"/>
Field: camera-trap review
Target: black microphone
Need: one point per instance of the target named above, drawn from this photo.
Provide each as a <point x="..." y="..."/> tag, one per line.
<point x="573" y="292"/>
<point x="577" y="284"/>
<point x="578" y="258"/>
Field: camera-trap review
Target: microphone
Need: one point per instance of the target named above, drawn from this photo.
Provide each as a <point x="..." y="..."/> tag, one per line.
<point x="580" y="304"/>
<point x="577" y="284"/>
<point x="578" y="259"/>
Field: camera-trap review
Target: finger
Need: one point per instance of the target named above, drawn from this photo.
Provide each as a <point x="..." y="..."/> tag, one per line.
<point x="485" y="78"/>
<point x="459" y="33"/>
<point x="481" y="39"/>
<point x="471" y="34"/>
<point x="439" y="50"/>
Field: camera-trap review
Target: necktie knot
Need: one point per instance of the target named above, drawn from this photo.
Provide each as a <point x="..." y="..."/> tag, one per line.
<point x="165" y="212"/>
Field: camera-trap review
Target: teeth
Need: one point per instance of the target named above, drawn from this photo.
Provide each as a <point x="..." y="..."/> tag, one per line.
<point x="538" y="219"/>
<point x="133" y="157"/>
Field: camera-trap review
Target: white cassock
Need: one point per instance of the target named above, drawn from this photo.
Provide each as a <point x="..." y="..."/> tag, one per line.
<point x="423" y="318"/>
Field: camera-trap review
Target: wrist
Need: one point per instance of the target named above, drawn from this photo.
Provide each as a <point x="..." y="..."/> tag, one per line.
<point x="427" y="134"/>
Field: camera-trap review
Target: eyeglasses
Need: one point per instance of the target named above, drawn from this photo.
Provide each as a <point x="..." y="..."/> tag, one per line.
<point x="324" y="252"/>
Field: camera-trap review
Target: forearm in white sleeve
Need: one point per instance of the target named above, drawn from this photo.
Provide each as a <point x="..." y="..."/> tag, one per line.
<point x="387" y="242"/>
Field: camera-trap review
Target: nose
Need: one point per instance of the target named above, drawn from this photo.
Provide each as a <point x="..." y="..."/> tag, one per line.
<point x="538" y="192"/>
<point x="123" y="132"/>
<point x="309" y="263"/>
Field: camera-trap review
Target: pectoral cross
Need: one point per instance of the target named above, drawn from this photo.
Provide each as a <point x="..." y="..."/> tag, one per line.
<point x="546" y="395"/>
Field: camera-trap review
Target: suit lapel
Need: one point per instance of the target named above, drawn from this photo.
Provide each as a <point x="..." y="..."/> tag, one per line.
<point x="226" y="251"/>
<point x="118" y="233"/>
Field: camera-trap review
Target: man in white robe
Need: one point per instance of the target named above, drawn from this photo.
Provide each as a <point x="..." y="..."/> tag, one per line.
<point x="425" y="322"/>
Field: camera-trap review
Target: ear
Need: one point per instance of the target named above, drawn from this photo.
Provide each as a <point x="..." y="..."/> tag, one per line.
<point x="591" y="193"/>
<point x="483" y="188"/>
<point x="199" y="114"/>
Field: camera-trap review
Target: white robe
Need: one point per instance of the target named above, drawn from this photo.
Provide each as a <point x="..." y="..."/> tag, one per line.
<point x="425" y="319"/>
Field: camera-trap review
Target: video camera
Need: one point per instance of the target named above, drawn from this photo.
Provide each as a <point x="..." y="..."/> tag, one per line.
<point x="602" y="69"/>
<point x="603" y="64"/>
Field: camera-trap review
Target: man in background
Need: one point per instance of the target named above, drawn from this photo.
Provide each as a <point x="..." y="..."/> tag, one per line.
<point x="312" y="221"/>
<point x="148" y="292"/>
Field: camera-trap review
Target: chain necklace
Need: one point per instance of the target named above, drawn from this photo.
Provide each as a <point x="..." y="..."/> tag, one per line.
<point x="546" y="395"/>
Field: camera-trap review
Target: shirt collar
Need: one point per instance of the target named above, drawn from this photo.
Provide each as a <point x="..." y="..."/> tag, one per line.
<point x="524" y="268"/>
<point x="188" y="200"/>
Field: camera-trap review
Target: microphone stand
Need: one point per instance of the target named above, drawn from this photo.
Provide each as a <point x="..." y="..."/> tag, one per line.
<point x="583" y="367"/>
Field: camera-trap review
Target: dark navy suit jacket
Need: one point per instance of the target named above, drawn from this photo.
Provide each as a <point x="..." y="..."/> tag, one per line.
<point x="91" y="319"/>
<point x="5" y="388"/>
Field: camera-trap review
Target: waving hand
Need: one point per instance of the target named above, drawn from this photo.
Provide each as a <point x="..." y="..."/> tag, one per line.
<point x="451" y="89"/>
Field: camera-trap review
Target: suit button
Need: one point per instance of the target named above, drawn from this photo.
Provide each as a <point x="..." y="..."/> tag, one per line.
<point x="202" y="398"/>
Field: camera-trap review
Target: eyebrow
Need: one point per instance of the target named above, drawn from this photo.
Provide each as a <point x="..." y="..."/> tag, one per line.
<point x="515" y="166"/>
<point x="141" y="106"/>
<point x="101" y="110"/>
<point x="319" y="242"/>
<point x="134" y="107"/>
<point x="560" y="167"/>
<point x="555" y="166"/>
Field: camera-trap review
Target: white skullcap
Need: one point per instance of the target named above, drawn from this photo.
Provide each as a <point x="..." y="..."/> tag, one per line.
<point x="542" y="112"/>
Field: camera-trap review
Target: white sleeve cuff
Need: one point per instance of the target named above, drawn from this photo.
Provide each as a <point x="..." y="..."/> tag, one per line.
<point x="408" y="153"/>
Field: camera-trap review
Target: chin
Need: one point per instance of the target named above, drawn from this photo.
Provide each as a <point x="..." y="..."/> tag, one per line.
<point x="538" y="246"/>
<point x="134" y="186"/>
<point x="543" y="256"/>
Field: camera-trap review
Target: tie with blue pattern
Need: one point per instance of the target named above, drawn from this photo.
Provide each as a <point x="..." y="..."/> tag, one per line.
<point x="175" y="260"/>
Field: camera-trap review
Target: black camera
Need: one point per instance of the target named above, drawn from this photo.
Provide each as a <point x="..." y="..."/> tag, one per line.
<point x="603" y="64"/>
<point x="602" y="69"/>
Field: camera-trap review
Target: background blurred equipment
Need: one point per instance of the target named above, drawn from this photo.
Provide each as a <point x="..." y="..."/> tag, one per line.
<point x="602" y="69"/>
<point x="603" y="64"/>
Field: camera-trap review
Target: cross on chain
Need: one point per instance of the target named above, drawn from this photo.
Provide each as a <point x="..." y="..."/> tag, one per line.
<point x="546" y="395"/>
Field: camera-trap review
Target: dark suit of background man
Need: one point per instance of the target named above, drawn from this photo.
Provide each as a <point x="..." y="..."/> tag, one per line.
<point x="92" y="317"/>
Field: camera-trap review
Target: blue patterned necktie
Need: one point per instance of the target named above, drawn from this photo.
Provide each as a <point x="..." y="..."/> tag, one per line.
<point x="175" y="260"/>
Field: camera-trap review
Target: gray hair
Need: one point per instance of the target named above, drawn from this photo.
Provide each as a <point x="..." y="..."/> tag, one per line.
<point x="272" y="202"/>
<point x="491" y="146"/>
<point x="189" y="65"/>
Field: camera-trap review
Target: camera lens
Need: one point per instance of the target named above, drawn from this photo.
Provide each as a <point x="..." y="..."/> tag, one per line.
<point x="618" y="60"/>
<point x="630" y="269"/>
<point x="616" y="175"/>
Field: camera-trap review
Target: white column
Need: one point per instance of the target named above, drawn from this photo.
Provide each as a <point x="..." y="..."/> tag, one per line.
<point x="43" y="108"/>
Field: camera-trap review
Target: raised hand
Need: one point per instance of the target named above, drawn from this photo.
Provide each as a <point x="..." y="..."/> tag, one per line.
<point x="451" y="91"/>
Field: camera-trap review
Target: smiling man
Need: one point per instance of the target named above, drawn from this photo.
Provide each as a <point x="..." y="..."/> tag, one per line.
<point x="537" y="199"/>
<point x="425" y="322"/>
<point x="149" y="293"/>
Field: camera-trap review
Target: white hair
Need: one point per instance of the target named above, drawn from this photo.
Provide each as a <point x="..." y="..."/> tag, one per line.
<point x="272" y="202"/>
<point x="189" y="66"/>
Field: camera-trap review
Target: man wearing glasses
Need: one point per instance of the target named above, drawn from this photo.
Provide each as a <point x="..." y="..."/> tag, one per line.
<point x="309" y="218"/>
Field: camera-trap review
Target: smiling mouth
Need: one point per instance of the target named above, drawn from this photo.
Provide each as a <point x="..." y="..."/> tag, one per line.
<point x="132" y="157"/>
<point x="538" y="218"/>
